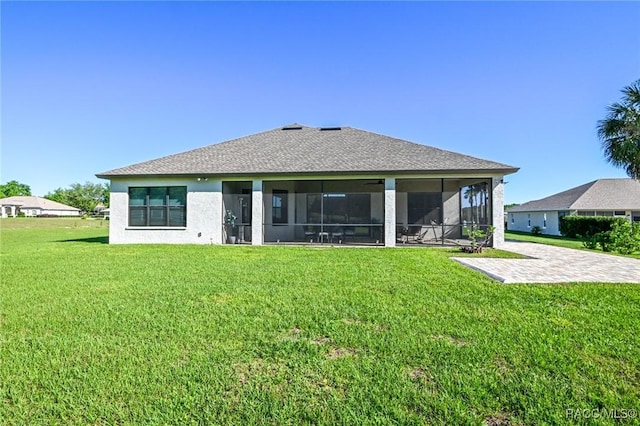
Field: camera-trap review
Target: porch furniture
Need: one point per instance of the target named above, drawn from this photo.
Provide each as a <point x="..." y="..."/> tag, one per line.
<point x="401" y="234"/>
<point x="309" y="233"/>
<point x="415" y="234"/>
<point x="349" y="232"/>
<point x="337" y="234"/>
<point x="322" y="235"/>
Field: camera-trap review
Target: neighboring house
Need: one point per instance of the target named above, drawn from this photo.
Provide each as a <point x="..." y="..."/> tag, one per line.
<point x="101" y="211"/>
<point x="305" y="184"/>
<point x="602" y="197"/>
<point x="35" y="206"/>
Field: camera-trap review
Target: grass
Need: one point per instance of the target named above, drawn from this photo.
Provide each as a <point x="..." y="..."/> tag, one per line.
<point x="555" y="240"/>
<point x="100" y="334"/>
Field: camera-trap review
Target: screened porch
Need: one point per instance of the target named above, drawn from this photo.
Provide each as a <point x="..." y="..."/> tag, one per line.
<point x="352" y="212"/>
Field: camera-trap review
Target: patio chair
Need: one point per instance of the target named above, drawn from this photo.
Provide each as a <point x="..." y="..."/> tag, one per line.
<point x="349" y="232"/>
<point x="416" y="234"/>
<point x="309" y="233"/>
<point x="337" y="233"/>
<point x="438" y="230"/>
<point x="323" y="236"/>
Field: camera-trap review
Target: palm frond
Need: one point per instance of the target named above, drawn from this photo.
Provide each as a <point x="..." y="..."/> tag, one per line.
<point x="619" y="131"/>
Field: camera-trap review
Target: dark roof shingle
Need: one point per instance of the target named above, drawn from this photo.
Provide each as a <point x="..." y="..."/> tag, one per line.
<point x="297" y="149"/>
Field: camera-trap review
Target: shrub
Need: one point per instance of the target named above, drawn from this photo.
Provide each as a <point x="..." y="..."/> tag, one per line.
<point x="604" y="240"/>
<point x="586" y="226"/>
<point x="625" y="237"/>
<point x="536" y="230"/>
<point x="590" y="242"/>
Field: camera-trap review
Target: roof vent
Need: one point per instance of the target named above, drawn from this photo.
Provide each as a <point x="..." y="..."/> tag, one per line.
<point x="322" y="129"/>
<point x="292" y="127"/>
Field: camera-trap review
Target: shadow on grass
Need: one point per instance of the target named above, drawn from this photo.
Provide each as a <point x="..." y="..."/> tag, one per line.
<point x="99" y="240"/>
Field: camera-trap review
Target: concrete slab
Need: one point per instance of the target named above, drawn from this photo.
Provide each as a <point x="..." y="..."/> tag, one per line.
<point x="550" y="264"/>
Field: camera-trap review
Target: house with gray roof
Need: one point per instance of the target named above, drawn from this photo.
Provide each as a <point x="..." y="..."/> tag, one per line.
<point x="602" y="197"/>
<point x="35" y="206"/>
<point x="299" y="184"/>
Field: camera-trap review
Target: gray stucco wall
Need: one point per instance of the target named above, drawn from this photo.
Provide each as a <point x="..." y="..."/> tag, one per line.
<point x="205" y="206"/>
<point x="524" y="221"/>
<point x="204" y="214"/>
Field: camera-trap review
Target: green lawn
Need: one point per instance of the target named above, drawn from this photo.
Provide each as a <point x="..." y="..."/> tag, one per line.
<point x="100" y="334"/>
<point x="552" y="240"/>
<point x="555" y="240"/>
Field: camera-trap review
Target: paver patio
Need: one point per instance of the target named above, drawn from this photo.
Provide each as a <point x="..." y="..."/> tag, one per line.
<point x="551" y="264"/>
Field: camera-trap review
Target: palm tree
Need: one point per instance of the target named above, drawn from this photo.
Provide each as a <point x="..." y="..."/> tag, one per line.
<point x="620" y="131"/>
<point x="470" y="195"/>
<point x="477" y="196"/>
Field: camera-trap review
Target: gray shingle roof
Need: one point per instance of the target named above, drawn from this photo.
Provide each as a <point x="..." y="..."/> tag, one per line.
<point x="602" y="194"/>
<point x="297" y="149"/>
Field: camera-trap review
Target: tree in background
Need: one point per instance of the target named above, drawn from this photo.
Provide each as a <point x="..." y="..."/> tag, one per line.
<point x="13" y="188"/>
<point x="106" y="194"/>
<point x="82" y="196"/>
<point x="620" y="131"/>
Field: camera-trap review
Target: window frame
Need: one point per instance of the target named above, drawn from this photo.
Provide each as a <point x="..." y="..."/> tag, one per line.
<point x="150" y="210"/>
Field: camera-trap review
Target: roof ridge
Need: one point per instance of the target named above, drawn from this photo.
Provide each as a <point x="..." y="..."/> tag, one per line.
<point x="588" y="185"/>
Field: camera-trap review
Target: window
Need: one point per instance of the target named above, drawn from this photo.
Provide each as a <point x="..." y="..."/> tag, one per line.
<point x="513" y="220"/>
<point x="544" y="220"/>
<point x="279" y="207"/>
<point x="158" y="206"/>
<point x="528" y="221"/>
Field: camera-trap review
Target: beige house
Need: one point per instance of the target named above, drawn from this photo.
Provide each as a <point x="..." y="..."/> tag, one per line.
<point x="299" y="184"/>
<point x="35" y="206"/>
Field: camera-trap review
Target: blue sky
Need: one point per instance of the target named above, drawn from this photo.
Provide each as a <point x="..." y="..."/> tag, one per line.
<point x="88" y="87"/>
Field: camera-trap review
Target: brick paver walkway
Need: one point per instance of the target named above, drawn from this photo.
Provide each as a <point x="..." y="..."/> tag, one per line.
<point x="550" y="264"/>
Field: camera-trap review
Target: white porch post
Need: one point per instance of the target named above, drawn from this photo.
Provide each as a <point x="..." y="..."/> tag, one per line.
<point x="390" y="212"/>
<point x="217" y="218"/>
<point x="256" y="212"/>
<point x="497" y="204"/>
